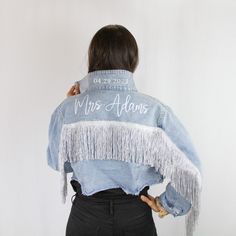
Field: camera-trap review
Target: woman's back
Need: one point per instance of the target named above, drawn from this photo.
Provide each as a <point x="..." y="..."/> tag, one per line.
<point x="112" y="135"/>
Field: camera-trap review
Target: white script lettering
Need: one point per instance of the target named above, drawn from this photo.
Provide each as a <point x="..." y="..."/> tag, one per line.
<point x="93" y="106"/>
<point x="89" y="106"/>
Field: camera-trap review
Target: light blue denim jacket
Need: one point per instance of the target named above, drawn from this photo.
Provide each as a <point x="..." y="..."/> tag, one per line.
<point x="111" y="95"/>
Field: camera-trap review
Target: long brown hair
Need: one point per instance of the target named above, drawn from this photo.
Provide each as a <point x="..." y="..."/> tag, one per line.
<point x="113" y="47"/>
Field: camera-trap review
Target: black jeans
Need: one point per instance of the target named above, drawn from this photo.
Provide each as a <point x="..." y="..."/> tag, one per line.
<point x="110" y="212"/>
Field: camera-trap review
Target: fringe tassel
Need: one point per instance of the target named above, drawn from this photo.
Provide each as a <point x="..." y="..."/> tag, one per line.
<point x="132" y="142"/>
<point x="63" y="181"/>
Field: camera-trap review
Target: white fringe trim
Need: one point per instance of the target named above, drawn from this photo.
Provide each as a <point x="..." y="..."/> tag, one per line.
<point x="132" y="142"/>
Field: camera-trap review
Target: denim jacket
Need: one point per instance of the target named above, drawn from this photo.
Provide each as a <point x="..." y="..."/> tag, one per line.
<point x="111" y="135"/>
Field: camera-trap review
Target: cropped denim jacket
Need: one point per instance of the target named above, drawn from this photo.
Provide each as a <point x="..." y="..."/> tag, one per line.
<point x="111" y="135"/>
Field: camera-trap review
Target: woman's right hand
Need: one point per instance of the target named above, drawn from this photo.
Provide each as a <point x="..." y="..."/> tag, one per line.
<point x="74" y="90"/>
<point x="155" y="204"/>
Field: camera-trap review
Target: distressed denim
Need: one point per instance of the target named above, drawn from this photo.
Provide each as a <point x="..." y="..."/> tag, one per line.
<point x="116" y="88"/>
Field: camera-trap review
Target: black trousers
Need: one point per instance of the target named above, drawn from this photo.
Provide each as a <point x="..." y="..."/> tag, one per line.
<point x="110" y="212"/>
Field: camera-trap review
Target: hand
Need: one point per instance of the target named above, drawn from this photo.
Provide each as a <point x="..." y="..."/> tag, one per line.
<point x="74" y="90"/>
<point x="155" y="205"/>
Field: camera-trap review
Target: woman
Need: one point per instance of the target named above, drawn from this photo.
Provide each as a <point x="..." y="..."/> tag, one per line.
<point x="117" y="142"/>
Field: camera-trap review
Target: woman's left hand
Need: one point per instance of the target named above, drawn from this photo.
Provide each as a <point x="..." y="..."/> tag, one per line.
<point x="155" y="205"/>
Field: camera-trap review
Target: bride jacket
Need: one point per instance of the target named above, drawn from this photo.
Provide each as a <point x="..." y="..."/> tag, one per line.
<point x="111" y="135"/>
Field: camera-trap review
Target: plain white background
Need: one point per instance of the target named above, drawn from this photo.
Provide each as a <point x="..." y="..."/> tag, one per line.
<point x="187" y="60"/>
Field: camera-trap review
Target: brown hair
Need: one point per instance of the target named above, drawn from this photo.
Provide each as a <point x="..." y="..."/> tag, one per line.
<point x="113" y="47"/>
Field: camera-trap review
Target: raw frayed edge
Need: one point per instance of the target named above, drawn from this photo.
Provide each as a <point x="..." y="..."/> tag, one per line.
<point x="132" y="142"/>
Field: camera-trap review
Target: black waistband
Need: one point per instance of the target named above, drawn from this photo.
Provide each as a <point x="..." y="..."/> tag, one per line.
<point x="108" y="193"/>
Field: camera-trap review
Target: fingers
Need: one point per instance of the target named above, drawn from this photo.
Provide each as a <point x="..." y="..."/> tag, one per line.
<point x="163" y="213"/>
<point x="73" y="90"/>
<point x="151" y="202"/>
<point x="150" y="197"/>
<point x="154" y="204"/>
<point x="145" y="199"/>
<point x="77" y="88"/>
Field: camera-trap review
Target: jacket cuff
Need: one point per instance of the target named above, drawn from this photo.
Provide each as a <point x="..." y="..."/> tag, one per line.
<point x="173" y="202"/>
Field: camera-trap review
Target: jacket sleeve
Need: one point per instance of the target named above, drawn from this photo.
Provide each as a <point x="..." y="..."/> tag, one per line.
<point x="171" y="200"/>
<point x="54" y="132"/>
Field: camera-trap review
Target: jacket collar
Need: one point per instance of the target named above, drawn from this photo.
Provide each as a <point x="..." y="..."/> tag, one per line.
<point x="114" y="79"/>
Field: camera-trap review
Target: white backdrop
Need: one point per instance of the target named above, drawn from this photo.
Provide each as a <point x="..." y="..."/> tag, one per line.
<point x="187" y="60"/>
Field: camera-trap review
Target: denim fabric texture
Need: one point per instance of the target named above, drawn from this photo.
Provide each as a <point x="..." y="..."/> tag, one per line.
<point x="111" y="95"/>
